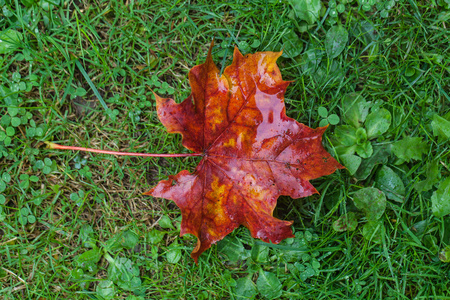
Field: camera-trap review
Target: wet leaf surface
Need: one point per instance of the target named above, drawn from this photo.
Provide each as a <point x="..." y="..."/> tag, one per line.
<point x="252" y="152"/>
<point x="346" y="222"/>
<point x="269" y="285"/>
<point x="440" y="200"/>
<point x="391" y="184"/>
<point x="307" y="10"/>
<point x="336" y="40"/>
<point x="409" y="148"/>
<point x="371" y="201"/>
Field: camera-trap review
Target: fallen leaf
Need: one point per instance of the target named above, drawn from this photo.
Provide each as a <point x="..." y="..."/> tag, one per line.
<point x="336" y="40"/>
<point x="307" y="10"/>
<point x="252" y="152"/>
<point x="390" y="183"/>
<point x="432" y="176"/>
<point x="371" y="201"/>
<point x="410" y="148"/>
<point x="346" y="222"/>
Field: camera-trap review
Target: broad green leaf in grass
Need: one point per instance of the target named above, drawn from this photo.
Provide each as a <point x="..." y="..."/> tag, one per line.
<point x="377" y="123"/>
<point x="346" y="222"/>
<point x="113" y="243"/>
<point x="292" y="45"/>
<point x="233" y="249"/>
<point x="269" y="285"/>
<point x="380" y="156"/>
<point x="165" y="222"/>
<point x="355" y="109"/>
<point x="440" y="200"/>
<point x="365" y="31"/>
<point x="432" y="176"/>
<point x="106" y="289"/>
<point x="307" y="10"/>
<point x="345" y="135"/>
<point x="125" y="239"/>
<point x="173" y="254"/>
<point x="441" y="127"/>
<point x="351" y="162"/>
<point x="129" y="239"/>
<point x="335" y="41"/>
<point x="409" y="148"/>
<point x="88" y="260"/>
<point x="420" y="227"/>
<point x="390" y="183"/>
<point x="345" y="150"/>
<point x="260" y="253"/>
<point x="374" y="231"/>
<point x="311" y="60"/>
<point x="328" y="75"/>
<point x="10" y="40"/>
<point x="245" y="288"/>
<point x="371" y="201"/>
<point x="86" y="234"/>
<point x="124" y="273"/>
<point x="367" y="34"/>
<point x="76" y="274"/>
<point x="155" y="236"/>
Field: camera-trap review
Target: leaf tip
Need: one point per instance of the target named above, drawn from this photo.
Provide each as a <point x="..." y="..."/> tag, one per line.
<point x="196" y="252"/>
<point x="157" y="97"/>
<point x="209" y="58"/>
<point x="324" y="127"/>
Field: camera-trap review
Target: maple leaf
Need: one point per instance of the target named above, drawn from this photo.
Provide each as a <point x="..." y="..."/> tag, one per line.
<point x="252" y="152"/>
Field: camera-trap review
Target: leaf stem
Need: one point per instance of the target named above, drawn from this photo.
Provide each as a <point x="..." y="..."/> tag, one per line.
<point x="61" y="147"/>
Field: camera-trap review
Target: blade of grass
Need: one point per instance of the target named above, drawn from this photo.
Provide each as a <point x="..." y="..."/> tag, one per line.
<point x="94" y="89"/>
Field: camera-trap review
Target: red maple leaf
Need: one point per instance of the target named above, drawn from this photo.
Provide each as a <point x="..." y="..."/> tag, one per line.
<point x="252" y="152"/>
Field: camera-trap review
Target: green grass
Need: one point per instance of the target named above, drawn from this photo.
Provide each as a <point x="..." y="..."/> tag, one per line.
<point x="125" y="49"/>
